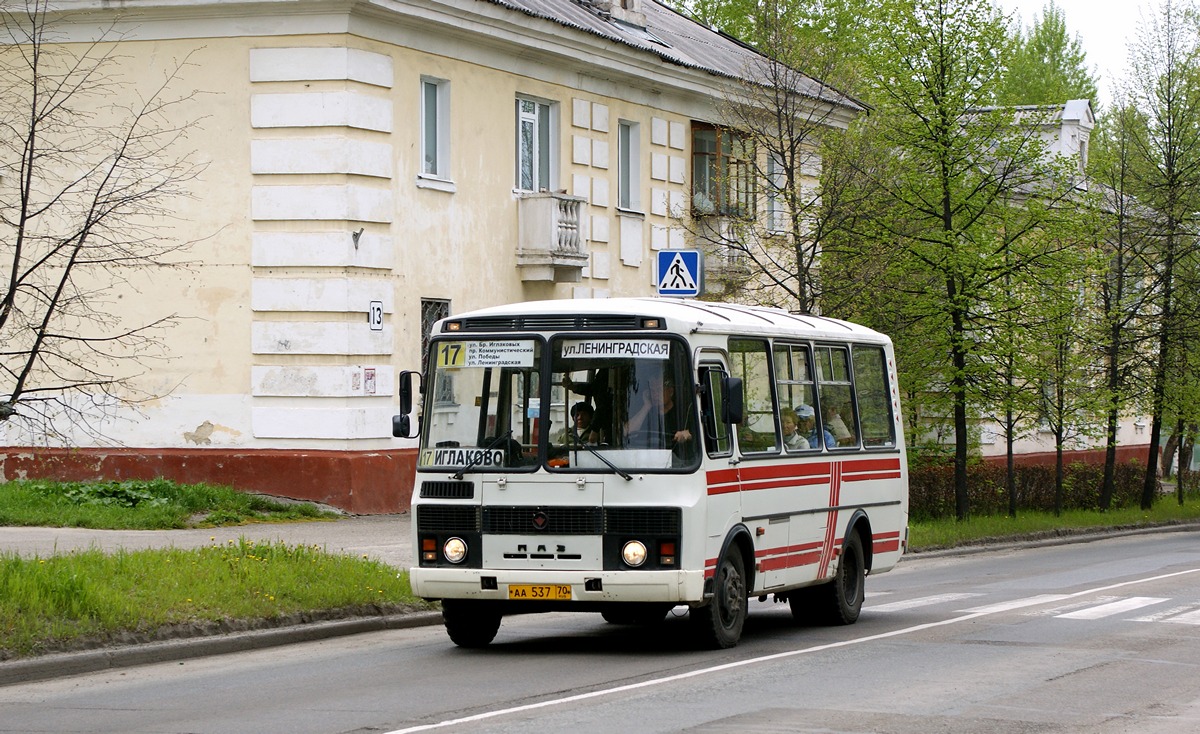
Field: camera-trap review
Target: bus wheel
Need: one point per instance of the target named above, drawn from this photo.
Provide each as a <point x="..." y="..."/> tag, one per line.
<point x="840" y="601"/>
<point x="719" y="623"/>
<point x="470" y="623"/>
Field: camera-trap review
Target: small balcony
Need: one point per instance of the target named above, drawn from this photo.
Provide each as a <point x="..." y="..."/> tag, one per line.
<point x="549" y="245"/>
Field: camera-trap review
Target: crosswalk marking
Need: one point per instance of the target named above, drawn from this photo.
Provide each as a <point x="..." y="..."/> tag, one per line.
<point x="1016" y="604"/>
<point x="1058" y="611"/>
<point x="1192" y="617"/>
<point x="924" y="601"/>
<point x="1165" y="614"/>
<point x="1116" y="607"/>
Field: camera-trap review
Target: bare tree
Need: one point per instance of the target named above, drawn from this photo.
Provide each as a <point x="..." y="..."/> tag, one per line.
<point x="90" y="166"/>
<point x="775" y="132"/>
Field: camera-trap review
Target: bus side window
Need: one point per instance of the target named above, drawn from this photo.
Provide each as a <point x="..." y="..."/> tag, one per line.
<point x="877" y="424"/>
<point x="713" y="398"/>
<point x="750" y="361"/>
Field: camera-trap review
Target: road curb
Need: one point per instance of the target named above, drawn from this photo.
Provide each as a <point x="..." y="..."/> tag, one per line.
<point x="1059" y="538"/>
<point x="90" y="661"/>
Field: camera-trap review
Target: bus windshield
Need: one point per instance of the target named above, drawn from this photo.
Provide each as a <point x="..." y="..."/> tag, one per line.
<point x="632" y="399"/>
<point x="607" y="403"/>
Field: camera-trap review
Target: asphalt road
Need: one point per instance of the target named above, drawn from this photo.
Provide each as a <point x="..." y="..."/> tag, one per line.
<point x="1091" y="637"/>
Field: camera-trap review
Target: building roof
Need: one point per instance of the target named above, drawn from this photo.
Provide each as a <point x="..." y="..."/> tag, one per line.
<point x="674" y="38"/>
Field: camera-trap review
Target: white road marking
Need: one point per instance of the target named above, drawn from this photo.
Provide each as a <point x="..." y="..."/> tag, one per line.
<point x="924" y="601"/>
<point x="1115" y="607"/>
<point x="971" y="615"/>
<point x="1007" y="606"/>
<point x="1192" y="617"/>
<point x="1165" y="613"/>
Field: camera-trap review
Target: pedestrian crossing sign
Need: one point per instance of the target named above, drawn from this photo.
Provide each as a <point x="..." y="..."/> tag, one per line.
<point x="680" y="273"/>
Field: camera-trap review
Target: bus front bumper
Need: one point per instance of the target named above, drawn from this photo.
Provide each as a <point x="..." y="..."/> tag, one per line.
<point x="678" y="587"/>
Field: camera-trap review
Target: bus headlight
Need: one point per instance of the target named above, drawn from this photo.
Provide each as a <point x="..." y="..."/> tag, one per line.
<point x="455" y="550"/>
<point x="634" y="553"/>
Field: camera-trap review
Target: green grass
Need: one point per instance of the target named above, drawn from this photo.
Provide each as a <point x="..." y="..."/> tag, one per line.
<point x="948" y="533"/>
<point x="155" y="504"/>
<point x="88" y="598"/>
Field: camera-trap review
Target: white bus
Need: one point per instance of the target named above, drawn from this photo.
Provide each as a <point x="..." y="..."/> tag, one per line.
<point x="628" y="456"/>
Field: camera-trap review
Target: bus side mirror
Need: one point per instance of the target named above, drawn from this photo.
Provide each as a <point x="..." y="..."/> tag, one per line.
<point x="733" y="406"/>
<point x="402" y="424"/>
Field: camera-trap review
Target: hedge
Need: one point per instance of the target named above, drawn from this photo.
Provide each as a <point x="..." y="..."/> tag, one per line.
<point x="931" y="488"/>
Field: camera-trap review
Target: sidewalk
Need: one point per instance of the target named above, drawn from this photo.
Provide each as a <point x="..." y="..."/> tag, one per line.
<point x="386" y="538"/>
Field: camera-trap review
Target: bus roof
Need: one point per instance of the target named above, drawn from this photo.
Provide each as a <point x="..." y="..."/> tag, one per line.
<point x="683" y="315"/>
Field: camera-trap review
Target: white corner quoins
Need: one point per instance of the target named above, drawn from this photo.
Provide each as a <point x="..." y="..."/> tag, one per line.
<point x="322" y="158"/>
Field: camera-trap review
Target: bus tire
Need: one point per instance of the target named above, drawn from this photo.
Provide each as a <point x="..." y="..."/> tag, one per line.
<point x="718" y="624"/>
<point x="840" y="601"/>
<point x="470" y="623"/>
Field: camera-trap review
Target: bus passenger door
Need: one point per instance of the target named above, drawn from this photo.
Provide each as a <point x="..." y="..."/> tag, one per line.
<point x="722" y="500"/>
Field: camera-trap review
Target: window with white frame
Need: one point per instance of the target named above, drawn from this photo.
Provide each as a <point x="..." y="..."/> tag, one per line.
<point x="535" y="144"/>
<point x="435" y="127"/>
<point x="628" y="171"/>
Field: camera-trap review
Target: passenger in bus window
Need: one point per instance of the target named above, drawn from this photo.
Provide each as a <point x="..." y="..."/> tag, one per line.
<point x="581" y="429"/>
<point x="833" y="420"/>
<point x="808" y="426"/>
<point x="654" y="421"/>
<point x="792" y="438"/>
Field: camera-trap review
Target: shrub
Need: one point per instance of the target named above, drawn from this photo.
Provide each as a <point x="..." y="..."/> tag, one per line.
<point x="931" y="488"/>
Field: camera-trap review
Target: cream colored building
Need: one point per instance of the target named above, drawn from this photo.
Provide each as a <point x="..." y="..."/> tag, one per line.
<point x="370" y="166"/>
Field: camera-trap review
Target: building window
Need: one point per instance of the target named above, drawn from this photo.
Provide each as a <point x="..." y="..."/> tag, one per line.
<point x="435" y="123"/>
<point x="722" y="172"/>
<point x="628" y="172"/>
<point x="535" y="149"/>
<point x="776" y="185"/>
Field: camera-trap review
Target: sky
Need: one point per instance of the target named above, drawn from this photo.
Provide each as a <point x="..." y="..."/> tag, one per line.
<point x="1102" y="25"/>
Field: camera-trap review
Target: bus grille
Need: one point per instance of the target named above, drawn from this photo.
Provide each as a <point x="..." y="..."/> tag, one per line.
<point x="444" y="490"/>
<point x="551" y="323"/>
<point x="551" y="520"/>
<point x="447" y="519"/>
<point x="643" y="520"/>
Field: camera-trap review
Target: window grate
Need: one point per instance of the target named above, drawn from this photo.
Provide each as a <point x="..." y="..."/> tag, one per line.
<point x="549" y="520"/>
<point x="445" y="490"/>
<point x="643" y="520"/>
<point x="447" y="519"/>
<point x="551" y="323"/>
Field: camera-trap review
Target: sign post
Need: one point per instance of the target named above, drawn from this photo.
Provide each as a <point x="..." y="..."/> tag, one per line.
<point x="680" y="273"/>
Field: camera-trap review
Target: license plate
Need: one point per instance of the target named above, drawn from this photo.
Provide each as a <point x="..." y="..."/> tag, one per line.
<point x="539" y="591"/>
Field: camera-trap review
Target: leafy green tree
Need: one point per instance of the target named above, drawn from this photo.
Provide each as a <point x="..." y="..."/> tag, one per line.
<point x="1122" y="227"/>
<point x="1165" y="87"/>
<point x="1047" y="65"/>
<point x="969" y="185"/>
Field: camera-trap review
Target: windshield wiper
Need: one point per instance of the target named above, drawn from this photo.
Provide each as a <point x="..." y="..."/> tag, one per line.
<point x="620" y="472"/>
<point x="479" y="457"/>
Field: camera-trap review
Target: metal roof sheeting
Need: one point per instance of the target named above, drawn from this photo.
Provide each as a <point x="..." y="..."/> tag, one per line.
<point x="674" y="38"/>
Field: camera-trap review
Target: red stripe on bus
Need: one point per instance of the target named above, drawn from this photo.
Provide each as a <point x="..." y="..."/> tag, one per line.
<point x="867" y="477"/>
<point x="885" y="546"/>
<point x="872" y="465"/>
<point x="751" y="486"/>
<point x="789" y="561"/>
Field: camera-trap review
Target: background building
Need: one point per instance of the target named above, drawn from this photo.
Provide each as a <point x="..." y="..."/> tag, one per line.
<point x="371" y="167"/>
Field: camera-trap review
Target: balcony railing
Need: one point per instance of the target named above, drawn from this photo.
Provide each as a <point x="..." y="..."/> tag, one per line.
<point x="549" y="245"/>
